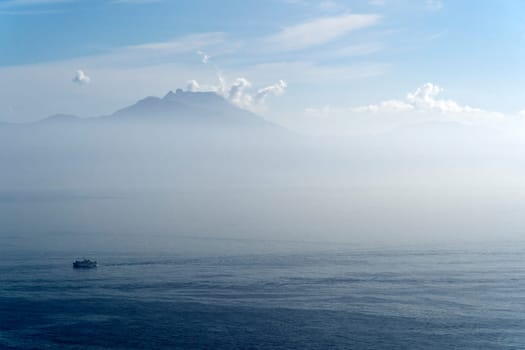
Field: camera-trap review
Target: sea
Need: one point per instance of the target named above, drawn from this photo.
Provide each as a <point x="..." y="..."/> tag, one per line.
<point x="244" y="294"/>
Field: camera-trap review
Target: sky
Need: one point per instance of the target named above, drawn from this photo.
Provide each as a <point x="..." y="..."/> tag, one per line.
<point x="319" y="66"/>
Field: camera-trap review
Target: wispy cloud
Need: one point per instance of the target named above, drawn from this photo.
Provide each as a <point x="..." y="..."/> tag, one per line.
<point x="276" y="89"/>
<point x="319" y="31"/>
<point x="189" y="43"/>
<point x="204" y="56"/>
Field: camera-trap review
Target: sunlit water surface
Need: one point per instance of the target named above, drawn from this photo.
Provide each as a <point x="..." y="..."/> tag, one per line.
<point x="279" y="295"/>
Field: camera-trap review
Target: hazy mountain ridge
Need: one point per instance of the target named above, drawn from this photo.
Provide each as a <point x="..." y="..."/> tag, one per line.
<point x="182" y="108"/>
<point x="60" y="118"/>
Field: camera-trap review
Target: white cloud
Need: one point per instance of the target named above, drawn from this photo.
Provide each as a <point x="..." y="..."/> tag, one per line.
<point x="237" y="93"/>
<point x="275" y="89"/>
<point x="193" y="86"/>
<point x="424" y="98"/>
<point x="81" y="78"/>
<point x="319" y="31"/>
<point x="422" y="105"/>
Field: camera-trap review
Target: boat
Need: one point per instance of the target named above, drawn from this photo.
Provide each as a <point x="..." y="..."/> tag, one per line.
<point x="84" y="264"/>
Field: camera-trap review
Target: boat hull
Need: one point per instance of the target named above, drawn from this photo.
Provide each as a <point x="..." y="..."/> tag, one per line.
<point x="84" y="265"/>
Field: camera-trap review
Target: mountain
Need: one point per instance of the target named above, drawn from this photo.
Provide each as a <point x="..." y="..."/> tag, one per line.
<point x="195" y="138"/>
<point x="190" y="108"/>
<point x="179" y="108"/>
<point x="59" y="119"/>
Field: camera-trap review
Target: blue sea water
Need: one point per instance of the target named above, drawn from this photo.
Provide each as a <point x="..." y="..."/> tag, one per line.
<point x="336" y="297"/>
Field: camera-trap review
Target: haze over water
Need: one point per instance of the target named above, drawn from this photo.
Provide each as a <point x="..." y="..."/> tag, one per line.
<point x="235" y="233"/>
<point x="286" y="174"/>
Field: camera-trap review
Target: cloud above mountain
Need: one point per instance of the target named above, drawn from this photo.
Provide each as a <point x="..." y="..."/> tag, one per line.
<point x="193" y="86"/>
<point x="276" y="89"/>
<point x="237" y="93"/>
<point x="240" y="91"/>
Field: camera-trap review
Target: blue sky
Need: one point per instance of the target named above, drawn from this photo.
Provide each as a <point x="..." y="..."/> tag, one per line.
<point x="316" y="63"/>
